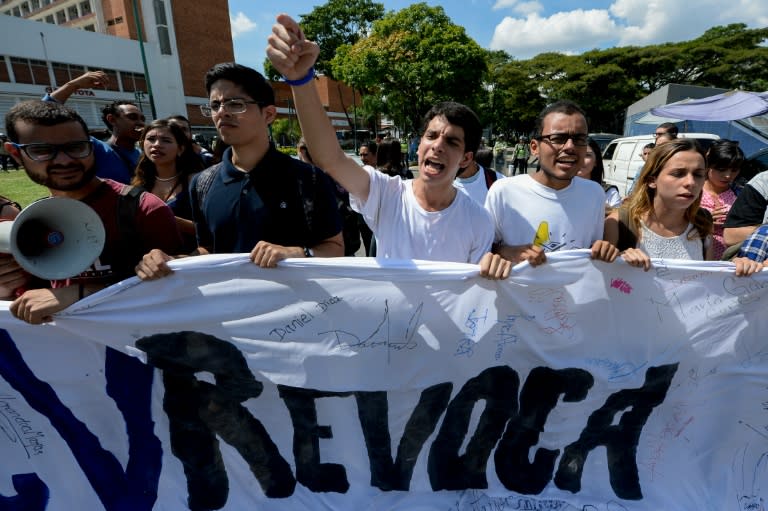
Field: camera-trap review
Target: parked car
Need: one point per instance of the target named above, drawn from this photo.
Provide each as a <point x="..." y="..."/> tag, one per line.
<point x="622" y="157"/>
<point x="603" y="139"/>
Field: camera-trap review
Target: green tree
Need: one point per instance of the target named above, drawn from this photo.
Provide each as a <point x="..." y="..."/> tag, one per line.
<point x="336" y="23"/>
<point x="412" y="59"/>
<point x="286" y="132"/>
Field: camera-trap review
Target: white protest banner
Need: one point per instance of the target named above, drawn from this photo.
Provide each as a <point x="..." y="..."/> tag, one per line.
<point x="341" y="384"/>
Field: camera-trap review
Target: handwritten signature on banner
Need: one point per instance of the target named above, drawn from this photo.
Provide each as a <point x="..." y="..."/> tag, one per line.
<point x="496" y="415"/>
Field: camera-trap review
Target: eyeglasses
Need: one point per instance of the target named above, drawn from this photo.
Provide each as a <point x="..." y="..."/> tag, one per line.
<point x="46" y="152"/>
<point x="231" y="106"/>
<point x="135" y="117"/>
<point x="660" y="134"/>
<point x="560" y="139"/>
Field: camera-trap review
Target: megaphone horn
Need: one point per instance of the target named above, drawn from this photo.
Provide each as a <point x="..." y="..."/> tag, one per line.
<point x="54" y="238"/>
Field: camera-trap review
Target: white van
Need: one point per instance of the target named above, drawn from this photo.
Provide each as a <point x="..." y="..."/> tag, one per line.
<point x="622" y="157"/>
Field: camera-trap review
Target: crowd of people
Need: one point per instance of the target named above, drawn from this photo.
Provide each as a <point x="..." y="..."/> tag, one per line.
<point x="161" y="196"/>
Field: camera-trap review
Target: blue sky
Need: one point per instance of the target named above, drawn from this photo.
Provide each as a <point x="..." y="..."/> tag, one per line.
<point x="526" y="28"/>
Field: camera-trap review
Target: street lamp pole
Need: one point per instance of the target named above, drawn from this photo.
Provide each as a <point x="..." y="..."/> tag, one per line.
<point x="140" y="35"/>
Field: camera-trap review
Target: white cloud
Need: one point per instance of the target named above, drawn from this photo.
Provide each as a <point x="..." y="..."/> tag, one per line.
<point x="521" y="8"/>
<point x="241" y="24"/>
<point x="529" y="8"/>
<point x="682" y="21"/>
<point x="504" y="4"/>
<point x="565" y="32"/>
<point x="625" y="22"/>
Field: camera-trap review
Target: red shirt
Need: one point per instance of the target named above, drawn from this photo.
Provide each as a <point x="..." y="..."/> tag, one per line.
<point x="154" y="226"/>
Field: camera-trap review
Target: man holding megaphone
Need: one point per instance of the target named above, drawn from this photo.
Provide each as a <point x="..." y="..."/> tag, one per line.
<point x="51" y="141"/>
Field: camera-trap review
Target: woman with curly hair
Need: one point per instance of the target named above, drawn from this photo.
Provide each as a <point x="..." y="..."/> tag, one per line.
<point x="663" y="218"/>
<point x="165" y="168"/>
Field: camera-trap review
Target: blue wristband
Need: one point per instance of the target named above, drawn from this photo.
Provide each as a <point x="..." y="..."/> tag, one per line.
<point x="301" y="81"/>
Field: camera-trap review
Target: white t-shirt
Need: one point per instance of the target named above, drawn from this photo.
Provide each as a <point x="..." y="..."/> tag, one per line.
<point x="475" y="186"/>
<point x="563" y="219"/>
<point x="460" y="233"/>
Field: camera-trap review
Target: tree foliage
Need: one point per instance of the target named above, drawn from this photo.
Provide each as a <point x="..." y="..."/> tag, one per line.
<point x="286" y="131"/>
<point x="337" y="23"/>
<point x="412" y="59"/>
<point x="405" y="61"/>
<point x="606" y="82"/>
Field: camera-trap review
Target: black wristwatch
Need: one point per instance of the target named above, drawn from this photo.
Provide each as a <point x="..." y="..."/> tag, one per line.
<point x="308" y="252"/>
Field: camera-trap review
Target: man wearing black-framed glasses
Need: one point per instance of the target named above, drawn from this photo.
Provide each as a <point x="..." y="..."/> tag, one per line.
<point x="256" y="199"/>
<point x="117" y="157"/>
<point x="51" y="142"/>
<point x="552" y="209"/>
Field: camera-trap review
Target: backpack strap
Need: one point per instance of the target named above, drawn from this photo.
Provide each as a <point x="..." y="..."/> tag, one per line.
<point x="203" y="182"/>
<point x="127" y="209"/>
<point x="490" y="177"/>
<point x="627" y="234"/>
<point x="308" y="201"/>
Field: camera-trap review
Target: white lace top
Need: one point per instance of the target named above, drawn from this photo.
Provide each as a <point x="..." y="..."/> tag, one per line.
<point x="674" y="247"/>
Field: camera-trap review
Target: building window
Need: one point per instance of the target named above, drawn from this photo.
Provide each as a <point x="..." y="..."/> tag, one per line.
<point x="85" y="8"/>
<point x="90" y="28"/>
<point x="72" y="12"/>
<point x="35" y="5"/>
<point x="30" y="71"/>
<point x="133" y="81"/>
<point x="17" y="12"/>
<point x="25" y="8"/>
<point x="61" y="17"/>
<point x="162" y="27"/>
<point x="49" y="19"/>
<point x="65" y="72"/>
<point x="46" y="2"/>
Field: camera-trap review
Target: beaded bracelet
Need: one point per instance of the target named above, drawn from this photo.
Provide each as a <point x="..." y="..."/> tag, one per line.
<point x="301" y="81"/>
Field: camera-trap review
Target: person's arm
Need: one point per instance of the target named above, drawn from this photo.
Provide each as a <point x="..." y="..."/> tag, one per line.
<point x="89" y="80"/>
<point x="736" y="235"/>
<point x="633" y="256"/>
<point x="293" y="56"/>
<point x="534" y="254"/>
<point x="267" y="255"/>
<point x="12" y="277"/>
<point x="38" y="306"/>
<point x="494" y="267"/>
<point x="604" y="251"/>
<point x="746" y="215"/>
<point x="611" y="228"/>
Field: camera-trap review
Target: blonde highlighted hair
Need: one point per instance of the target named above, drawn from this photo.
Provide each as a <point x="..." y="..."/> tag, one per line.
<point x="640" y="203"/>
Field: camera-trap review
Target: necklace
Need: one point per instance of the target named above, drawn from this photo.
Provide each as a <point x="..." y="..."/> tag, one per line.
<point x="166" y="179"/>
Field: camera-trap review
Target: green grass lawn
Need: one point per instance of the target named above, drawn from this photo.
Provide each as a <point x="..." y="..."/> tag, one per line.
<point x="15" y="185"/>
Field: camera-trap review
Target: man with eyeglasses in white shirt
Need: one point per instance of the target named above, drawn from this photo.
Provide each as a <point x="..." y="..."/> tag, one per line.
<point x="256" y="199"/>
<point x="550" y="210"/>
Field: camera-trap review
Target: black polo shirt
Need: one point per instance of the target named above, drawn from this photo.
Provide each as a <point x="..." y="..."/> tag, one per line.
<point x="282" y="200"/>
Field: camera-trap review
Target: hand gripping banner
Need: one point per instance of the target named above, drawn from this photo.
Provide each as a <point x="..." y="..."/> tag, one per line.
<point x="350" y="384"/>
